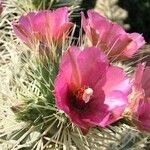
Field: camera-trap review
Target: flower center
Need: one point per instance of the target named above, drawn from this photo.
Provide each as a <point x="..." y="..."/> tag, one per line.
<point x="84" y="94"/>
<point x="87" y="93"/>
<point x="80" y="98"/>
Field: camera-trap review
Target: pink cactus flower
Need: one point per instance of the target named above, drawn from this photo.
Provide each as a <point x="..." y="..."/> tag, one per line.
<point x="43" y="26"/>
<point x="110" y="37"/>
<point x="140" y="99"/>
<point x="89" y="90"/>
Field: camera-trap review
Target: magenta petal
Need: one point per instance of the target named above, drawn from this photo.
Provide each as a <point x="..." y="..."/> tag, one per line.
<point x="84" y="21"/>
<point x="21" y="32"/>
<point x="24" y="28"/>
<point x="81" y="67"/>
<point x="60" y="93"/>
<point x="69" y="66"/>
<point x="116" y="80"/>
<point x="86" y="27"/>
<point x="141" y="79"/>
<point x="43" y="26"/>
<point x="63" y="31"/>
<point x="138" y="75"/>
<point x="96" y="118"/>
<point x="146" y="81"/>
<point x="103" y="114"/>
<point x="109" y="32"/>
<point x="94" y="69"/>
<point x="76" y="118"/>
<point x="61" y="17"/>
<point x="142" y="115"/>
<point x="95" y="18"/>
<point x="111" y="37"/>
<point x="117" y="102"/>
<point x="138" y="39"/>
<point x="98" y="114"/>
<point x="136" y="43"/>
<point x="118" y="45"/>
<point x="116" y="99"/>
<point x="140" y="104"/>
<point x="26" y="21"/>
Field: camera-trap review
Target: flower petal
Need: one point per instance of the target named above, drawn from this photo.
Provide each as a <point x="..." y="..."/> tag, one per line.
<point x="116" y="80"/>
<point x="137" y="77"/>
<point x="146" y="81"/>
<point x="111" y="37"/>
<point x="117" y="102"/>
<point x="137" y="41"/>
<point x="92" y="64"/>
<point x="43" y="26"/>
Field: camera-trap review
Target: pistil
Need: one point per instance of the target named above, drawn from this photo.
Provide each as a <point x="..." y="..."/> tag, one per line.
<point x="87" y="95"/>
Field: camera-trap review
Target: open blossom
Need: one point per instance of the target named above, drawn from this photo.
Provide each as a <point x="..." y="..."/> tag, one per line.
<point x="90" y="90"/>
<point x="140" y="99"/>
<point x="43" y="26"/>
<point x="111" y="37"/>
